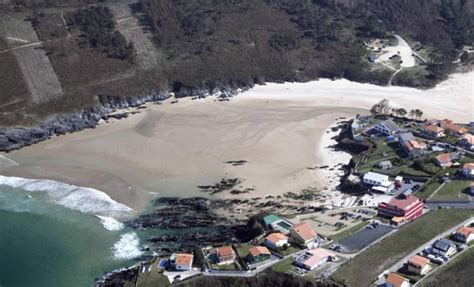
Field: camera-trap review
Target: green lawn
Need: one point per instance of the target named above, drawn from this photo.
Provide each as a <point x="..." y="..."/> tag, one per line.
<point x="152" y="279"/>
<point x="381" y="152"/>
<point x="428" y="189"/>
<point x="243" y="249"/>
<point x="232" y="266"/>
<point x="455" y="190"/>
<point x="365" y="267"/>
<point x="456" y="273"/>
<point x="283" y="266"/>
<point x="349" y="231"/>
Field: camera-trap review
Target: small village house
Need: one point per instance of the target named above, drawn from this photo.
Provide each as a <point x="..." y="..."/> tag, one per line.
<point x="387" y="127"/>
<point x="467" y="141"/>
<point x="444" y="123"/>
<point x="395" y="280"/>
<point x="386" y="164"/>
<point x="456" y="130"/>
<point x="418" y="265"/>
<point x="468" y="169"/>
<point x="181" y="261"/>
<point x="315" y="258"/>
<point x="401" y="210"/>
<point x="446" y="159"/>
<point x="276" y="240"/>
<point x="464" y="234"/>
<point x="444" y="247"/>
<point x="303" y="234"/>
<point x="224" y="255"/>
<point x="434" y="131"/>
<point x="258" y="254"/>
<point x="411" y="145"/>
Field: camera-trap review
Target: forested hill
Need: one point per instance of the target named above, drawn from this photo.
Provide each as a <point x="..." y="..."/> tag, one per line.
<point x="60" y="55"/>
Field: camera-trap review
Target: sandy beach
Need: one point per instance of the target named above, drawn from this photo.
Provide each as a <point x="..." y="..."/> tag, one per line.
<point x="279" y="130"/>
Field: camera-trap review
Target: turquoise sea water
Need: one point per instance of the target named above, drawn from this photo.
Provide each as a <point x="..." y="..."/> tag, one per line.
<point x="45" y="244"/>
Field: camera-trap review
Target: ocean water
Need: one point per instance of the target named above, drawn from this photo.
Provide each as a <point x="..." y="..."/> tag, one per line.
<point x="47" y="239"/>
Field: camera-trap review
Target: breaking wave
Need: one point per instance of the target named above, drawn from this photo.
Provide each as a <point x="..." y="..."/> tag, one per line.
<point x="128" y="247"/>
<point x="110" y="223"/>
<point x="83" y="199"/>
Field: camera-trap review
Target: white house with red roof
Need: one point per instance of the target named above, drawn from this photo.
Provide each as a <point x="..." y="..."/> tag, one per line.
<point x="433" y="130"/>
<point x="181" y="261"/>
<point x="303" y="234"/>
<point x="276" y="240"/>
<point x="314" y="258"/>
<point x="464" y="234"/>
<point x="468" y="169"/>
<point x="467" y="141"/>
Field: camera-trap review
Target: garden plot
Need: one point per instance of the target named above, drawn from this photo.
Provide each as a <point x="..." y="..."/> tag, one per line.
<point x="128" y="25"/>
<point x="35" y="66"/>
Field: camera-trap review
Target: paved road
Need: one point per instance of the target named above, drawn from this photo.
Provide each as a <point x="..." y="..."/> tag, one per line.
<point x="459" y="205"/>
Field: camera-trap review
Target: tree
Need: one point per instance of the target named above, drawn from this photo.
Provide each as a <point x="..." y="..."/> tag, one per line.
<point x="381" y="108"/>
<point x="418" y="113"/>
<point x="402" y="112"/>
<point x="412" y="113"/>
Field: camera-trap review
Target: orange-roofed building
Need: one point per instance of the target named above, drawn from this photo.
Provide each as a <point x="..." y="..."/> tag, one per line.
<point x="181" y="261"/>
<point x="444" y="160"/>
<point x="445" y="122"/>
<point x="434" y="131"/>
<point x="418" y="265"/>
<point x="302" y="233"/>
<point x="258" y="254"/>
<point x="464" y="234"/>
<point x="276" y="240"/>
<point x="395" y="280"/>
<point x="224" y="254"/>
<point x="456" y="130"/>
<point x="312" y="259"/>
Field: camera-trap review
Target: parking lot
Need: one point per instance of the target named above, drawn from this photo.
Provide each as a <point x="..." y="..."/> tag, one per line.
<point x="363" y="238"/>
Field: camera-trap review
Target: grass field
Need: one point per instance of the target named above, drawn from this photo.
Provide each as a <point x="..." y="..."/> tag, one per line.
<point x="455" y="190"/>
<point x="428" y="189"/>
<point x="365" y="267"/>
<point x="243" y="249"/>
<point x="152" y="279"/>
<point x="456" y="273"/>
<point x="283" y="266"/>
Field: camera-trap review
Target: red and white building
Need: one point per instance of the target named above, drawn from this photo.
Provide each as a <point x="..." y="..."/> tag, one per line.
<point x="402" y="209"/>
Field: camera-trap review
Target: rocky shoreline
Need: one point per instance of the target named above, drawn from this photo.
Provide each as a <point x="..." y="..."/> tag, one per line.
<point x="13" y="138"/>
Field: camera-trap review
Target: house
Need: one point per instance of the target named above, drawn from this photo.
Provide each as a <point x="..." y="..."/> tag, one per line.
<point x="467" y="141"/>
<point x="258" y="254"/>
<point x="276" y="240"/>
<point x="303" y="234"/>
<point x="379" y="182"/>
<point x="315" y="258"/>
<point x="444" y="247"/>
<point x="404" y="137"/>
<point x="386" y="164"/>
<point x="408" y="209"/>
<point x="464" y="234"/>
<point x="418" y="265"/>
<point x="445" y="122"/>
<point x="395" y="280"/>
<point x="224" y="255"/>
<point x="468" y="169"/>
<point x="373" y="58"/>
<point x="433" y="130"/>
<point x="411" y="145"/>
<point x="455" y="130"/>
<point x="446" y="159"/>
<point x="387" y="127"/>
<point x="181" y="261"/>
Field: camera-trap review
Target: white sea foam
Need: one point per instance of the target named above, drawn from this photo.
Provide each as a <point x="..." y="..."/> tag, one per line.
<point x="6" y="162"/>
<point x="128" y="247"/>
<point x="83" y="199"/>
<point x="110" y="223"/>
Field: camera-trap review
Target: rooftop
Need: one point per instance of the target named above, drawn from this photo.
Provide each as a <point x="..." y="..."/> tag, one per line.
<point x="433" y="129"/>
<point x="468" y="138"/>
<point x="469" y="165"/>
<point x="444" y="158"/>
<point x="404" y="203"/>
<point x="304" y="230"/>
<point x="225" y="251"/>
<point x="376" y="176"/>
<point x="443" y="244"/>
<point x="269" y="219"/>
<point x="275" y="237"/>
<point x="466" y="231"/>
<point x="418" y="261"/>
<point x="407" y="136"/>
<point x="183" y="259"/>
<point x="259" y="250"/>
<point x="395" y="280"/>
<point x="312" y="257"/>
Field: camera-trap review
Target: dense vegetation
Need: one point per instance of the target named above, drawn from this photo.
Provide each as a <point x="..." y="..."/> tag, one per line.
<point x="97" y="25"/>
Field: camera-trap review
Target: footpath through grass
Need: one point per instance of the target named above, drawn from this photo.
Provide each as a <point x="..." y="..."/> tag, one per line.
<point x="458" y="271"/>
<point x="365" y="267"/>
